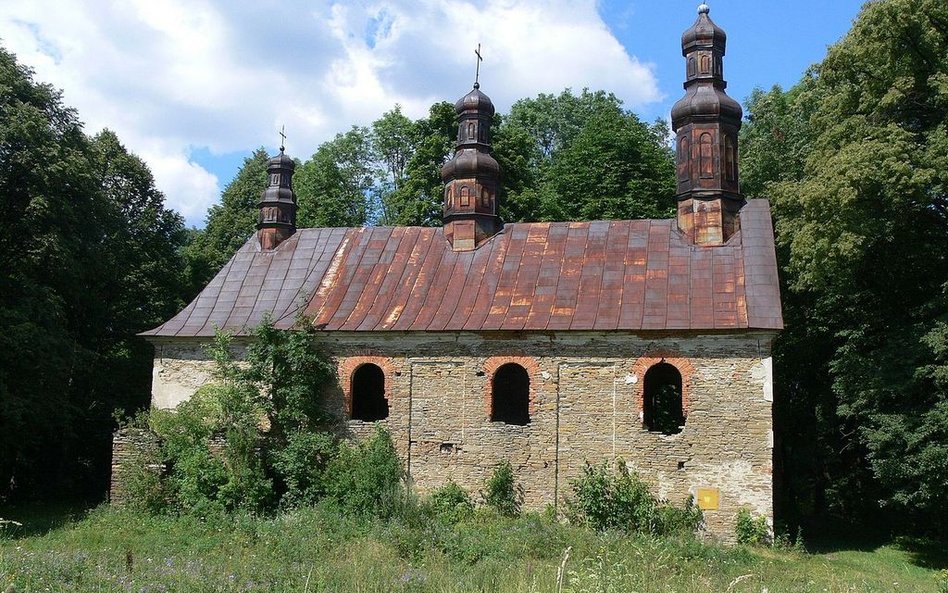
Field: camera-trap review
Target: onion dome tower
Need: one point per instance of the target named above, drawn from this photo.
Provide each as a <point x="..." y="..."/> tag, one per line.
<point x="706" y="122"/>
<point x="277" y="220"/>
<point x="472" y="177"/>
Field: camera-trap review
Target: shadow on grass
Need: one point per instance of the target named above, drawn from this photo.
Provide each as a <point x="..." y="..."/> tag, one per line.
<point x="40" y="518"/>
<point x="927" y="553"/>
<point x="828" y="537"/>
<point x="923" y="552"/>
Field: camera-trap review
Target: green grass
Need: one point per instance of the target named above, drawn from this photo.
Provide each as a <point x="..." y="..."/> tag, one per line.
<point x="316" y="550"/>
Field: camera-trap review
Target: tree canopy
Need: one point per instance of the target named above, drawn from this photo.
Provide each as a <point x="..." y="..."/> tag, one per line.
<point x="90" y="256"/>
<point x="569" y="157"/>
<point x="854" y="158"/>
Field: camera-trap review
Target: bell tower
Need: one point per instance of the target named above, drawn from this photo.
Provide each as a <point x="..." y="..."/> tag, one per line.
<point x="706" y="122"/>
<point x="472" y="177"/>
<point x="277" y="219"/>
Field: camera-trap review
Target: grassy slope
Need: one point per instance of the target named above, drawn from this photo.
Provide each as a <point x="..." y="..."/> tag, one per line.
<point x="313" y="550"/>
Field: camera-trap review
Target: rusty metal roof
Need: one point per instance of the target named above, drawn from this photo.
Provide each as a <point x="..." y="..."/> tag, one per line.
<point x="603" y="275"/>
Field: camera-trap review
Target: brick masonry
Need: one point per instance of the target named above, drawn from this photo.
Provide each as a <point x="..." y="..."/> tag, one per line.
<point x="586" y="394"/>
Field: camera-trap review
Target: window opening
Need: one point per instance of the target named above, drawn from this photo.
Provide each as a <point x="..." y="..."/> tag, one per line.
<point x="368" y="394"/>
<point x="705" y="156"/>
<point x="510" y="395"/>
<point x="684" y="158"/>
<point x="730" y="159"/>
<point x="663" y="407"/>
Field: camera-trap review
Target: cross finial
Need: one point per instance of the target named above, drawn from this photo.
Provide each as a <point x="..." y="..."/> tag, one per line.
<point x="477" y="71"/>
<point x="282" y="138"/>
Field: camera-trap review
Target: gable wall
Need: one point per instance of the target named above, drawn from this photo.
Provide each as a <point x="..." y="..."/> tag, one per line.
<point x="585" y="405"/>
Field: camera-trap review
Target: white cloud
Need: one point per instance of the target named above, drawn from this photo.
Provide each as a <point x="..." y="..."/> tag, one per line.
<point x="176" y="74"/>
<point x="176" y="175"/>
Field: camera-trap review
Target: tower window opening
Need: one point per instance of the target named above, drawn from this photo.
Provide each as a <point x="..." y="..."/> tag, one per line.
<point x="368" y="394"/>
<point x="510" y="395"/>
<point x="663" y="409"/>
<point x="684" y="159"/>
<point x="730" y="159"/>
<point x="705" y="64"/>
<point x="706" y="166"/>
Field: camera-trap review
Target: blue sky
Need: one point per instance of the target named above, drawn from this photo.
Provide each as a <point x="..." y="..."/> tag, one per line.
<point x="768" y="42"/>
<point x="194" y="86"/>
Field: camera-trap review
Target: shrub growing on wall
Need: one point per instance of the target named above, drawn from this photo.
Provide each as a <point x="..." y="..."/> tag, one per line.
<point x="367" y="478"/>
<point x="451" y="503"/>
<point x="501" y="493"/>
<point x="257" y="436"/>
<point x="751" y="529"/>
<point x="619" y="500"/>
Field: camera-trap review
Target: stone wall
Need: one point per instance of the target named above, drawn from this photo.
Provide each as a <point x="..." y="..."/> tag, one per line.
<point x="180" y="369"/>
<point x="586" y="393"/>
<point x="133" y="450"/>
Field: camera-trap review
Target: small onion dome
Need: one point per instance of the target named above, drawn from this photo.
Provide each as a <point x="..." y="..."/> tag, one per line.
<point x="475" y="101"/>
<point x="470" y="163"/>
<point x="281" y="161"/>
<point x="703" y="34"/>
<point x="705" y="102"/>
<point x="276" y="193"/>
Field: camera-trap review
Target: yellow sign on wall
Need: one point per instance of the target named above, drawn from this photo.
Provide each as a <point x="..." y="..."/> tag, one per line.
<point x="709" y="499"/>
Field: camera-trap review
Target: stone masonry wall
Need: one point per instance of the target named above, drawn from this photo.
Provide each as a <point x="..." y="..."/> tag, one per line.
<point x="132" y="448"/>
<point x="586" y="392"/>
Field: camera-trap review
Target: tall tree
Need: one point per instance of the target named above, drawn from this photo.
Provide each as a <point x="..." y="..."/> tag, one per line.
<point x="334" y="186"/>
<point x="418" y="199"/>
<point x="589" y="159"/>
<point x="90" y="257"/>
<point x="393" y="138"/>
<point x="47" y="196"/>
<point x="863" y="232"/>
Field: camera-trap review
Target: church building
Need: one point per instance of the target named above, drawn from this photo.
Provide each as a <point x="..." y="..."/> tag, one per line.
<point x="549" y="344"/>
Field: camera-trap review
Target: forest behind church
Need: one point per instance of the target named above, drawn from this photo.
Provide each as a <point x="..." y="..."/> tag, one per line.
<point x="854" y="159"/>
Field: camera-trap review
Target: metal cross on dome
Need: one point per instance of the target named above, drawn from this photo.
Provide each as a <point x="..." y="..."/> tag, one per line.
<point x="477" y="71"/>
<point x="282" y="137"/>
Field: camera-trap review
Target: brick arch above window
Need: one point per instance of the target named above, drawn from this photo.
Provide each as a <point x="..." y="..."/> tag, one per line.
<point x="654" y="357"/>
<point x="348" y="366"/>
<point x="493" y="363"/>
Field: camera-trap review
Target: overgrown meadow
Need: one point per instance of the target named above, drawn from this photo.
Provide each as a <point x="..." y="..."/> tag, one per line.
<point x="254" y="489"/>
<point x="322" y="549"/>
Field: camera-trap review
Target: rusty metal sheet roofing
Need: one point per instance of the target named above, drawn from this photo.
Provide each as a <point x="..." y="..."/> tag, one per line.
<point x="602" y="275"/>
<point x="255" y="283"/>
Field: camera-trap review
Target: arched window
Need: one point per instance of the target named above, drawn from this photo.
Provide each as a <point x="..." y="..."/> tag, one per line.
<point x="662" y="407"/>
<point x="706" y="165"/>
<point x="368" y="394"/>
<point x="705" y="66"/>
<point x="730" y="159"/>
<point x="684" y="159"/>
<point x="510" y="395"/>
